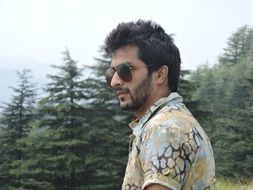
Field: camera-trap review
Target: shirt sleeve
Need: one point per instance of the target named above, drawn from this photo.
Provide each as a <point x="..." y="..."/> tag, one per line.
<point x="166" y="155"/>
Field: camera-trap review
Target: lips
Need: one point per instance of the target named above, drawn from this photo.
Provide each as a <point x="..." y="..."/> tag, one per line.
<point x="121" y="91"/>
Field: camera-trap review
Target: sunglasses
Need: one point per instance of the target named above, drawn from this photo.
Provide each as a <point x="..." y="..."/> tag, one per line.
<point x="123" y="70"/>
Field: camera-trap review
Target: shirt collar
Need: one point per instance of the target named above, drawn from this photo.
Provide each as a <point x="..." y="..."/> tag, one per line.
<point x="173" y="99"/>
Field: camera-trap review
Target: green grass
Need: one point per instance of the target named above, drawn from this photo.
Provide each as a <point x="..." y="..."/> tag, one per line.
<point x="223" y="184"/>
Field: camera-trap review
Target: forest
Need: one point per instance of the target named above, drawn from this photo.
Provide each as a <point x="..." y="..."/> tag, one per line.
<point x="74" y="136"/>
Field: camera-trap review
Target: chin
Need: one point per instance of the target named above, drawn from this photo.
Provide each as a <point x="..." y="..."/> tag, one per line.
<point x="128" y="107"/>
<point x="125" y="106"/>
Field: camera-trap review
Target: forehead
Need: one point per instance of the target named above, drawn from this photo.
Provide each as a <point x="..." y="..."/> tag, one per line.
<point x="126" y="54"/>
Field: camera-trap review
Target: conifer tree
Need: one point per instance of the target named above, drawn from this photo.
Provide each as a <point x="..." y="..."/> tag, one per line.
<point x="188" y="86"/>
<point x="237" y="46"/>
<point x="17" y="116"/>
<point x="186" y="90"/>
<point x="58" y="160"/>
<point x="110" y="138"/>
<point x="227" y="89"/>
<point x="66" y="120"/>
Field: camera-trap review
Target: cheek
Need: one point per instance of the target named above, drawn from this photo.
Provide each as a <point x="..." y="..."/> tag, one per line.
<point x="138" y="78"/>
<point x="131" y="92"/>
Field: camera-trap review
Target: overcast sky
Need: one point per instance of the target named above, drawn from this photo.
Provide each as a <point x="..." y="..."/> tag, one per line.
<point x="39" y="30"/>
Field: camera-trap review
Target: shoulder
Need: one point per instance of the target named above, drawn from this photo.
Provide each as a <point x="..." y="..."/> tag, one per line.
<point x="171" y="120"/>
<point x="174" y="127"/>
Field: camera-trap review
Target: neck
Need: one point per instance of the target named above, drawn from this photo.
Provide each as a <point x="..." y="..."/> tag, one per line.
<point x="153" y="98"/>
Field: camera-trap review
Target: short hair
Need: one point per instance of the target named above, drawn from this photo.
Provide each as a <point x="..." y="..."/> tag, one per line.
<point x="156" y="48"/>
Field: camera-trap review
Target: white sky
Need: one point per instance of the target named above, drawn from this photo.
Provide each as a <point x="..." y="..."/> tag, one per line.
<point x="41" y="29"/>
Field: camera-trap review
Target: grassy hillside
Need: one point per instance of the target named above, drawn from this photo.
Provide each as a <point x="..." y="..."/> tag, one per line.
<point x="222" y="184"/>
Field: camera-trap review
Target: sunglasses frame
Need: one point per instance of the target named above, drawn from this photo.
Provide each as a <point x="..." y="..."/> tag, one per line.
<point x="127" y="77"/>
<point x="123" y="70"/>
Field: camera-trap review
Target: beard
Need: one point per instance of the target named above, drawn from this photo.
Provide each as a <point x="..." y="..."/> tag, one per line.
<point x="139" y="95"/>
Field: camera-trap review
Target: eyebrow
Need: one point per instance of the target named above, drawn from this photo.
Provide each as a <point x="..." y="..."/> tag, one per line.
<point x="127" y="62"/>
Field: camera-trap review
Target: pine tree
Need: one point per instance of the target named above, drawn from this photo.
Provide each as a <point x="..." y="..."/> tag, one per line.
<point x="188" y="85"/>
<point x="16" y="118"/>
<point x="227" y="89"/>
<point x="186" y="90"/>
<point x="110" y="126"/>
<point x="241" y="149"/>
<point x="59" y="158"/>
<point x="66" y="119"/>
<point x="237" y="46"/>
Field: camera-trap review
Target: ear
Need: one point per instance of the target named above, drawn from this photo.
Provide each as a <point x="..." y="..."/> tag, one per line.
<point x="162" y="75"/>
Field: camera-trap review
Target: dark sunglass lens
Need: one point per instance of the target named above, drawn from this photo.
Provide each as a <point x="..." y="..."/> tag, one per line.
<point x="124" y="72"/>
<point x="109" y="75"/>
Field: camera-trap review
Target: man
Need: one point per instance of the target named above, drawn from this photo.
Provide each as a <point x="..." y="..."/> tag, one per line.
<point x="169" y="149"/>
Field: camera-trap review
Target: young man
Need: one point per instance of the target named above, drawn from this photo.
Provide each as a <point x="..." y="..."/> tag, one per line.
<point x="169" y="149"/>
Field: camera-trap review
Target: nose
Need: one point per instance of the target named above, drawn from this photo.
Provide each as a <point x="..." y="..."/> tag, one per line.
<point x="116" y="80"/>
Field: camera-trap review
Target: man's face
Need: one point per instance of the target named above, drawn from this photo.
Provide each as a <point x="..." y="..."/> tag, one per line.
<point x="133" y="95"/>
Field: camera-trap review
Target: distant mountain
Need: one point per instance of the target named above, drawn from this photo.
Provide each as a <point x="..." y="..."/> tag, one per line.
<point x="8" y="76"/>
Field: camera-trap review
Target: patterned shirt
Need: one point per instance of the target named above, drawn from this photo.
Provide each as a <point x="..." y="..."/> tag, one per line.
<point x="169" y="147"/>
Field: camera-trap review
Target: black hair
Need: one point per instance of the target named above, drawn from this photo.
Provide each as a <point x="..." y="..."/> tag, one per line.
<point x="156" y="48"/>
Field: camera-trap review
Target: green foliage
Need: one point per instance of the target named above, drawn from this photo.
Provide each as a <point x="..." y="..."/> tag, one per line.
<point x="58" y="161"/>
<point x="227" y="89"/>
<point x="187" y="88"/>
<point x="110" y="137"/>
<point x="16" y="119"/>
<point x="78" y="140"/>
<point x="64" y="120"/>
<point x="225" y="184"/>
<point x="238" y="46"/>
